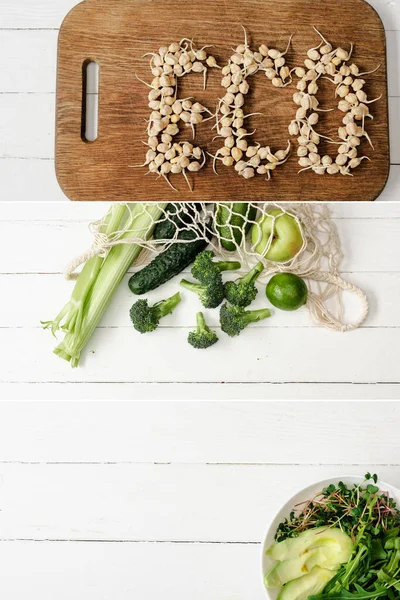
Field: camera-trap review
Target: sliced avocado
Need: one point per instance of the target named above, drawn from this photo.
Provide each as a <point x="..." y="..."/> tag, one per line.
<point x="308" y="585"/>
<point x="310" y="539"/>
<point x="323" y="556"/>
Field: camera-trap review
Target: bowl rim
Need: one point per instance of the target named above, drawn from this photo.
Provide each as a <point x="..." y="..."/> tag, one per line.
<point x="290" y="501"/>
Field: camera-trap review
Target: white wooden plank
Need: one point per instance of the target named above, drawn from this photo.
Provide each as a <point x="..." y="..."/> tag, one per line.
<point x="57" y="236"/>
<point x="394" y="123"/>
<point x="28" y="61"/>
<point x="362" y="243"/>
<point x="72" y="392"/>
<point x="200" y="432"/>
<point x="197" y="391"/>
<point x="201" y="503"/>
<point x="260" y="355"/>
<point x="49" y="14"/>
<point x="389" y="12"/>
<point x="393" y="62"/>
<point x="35" y="113"/>
<point x="87" y="571"/>
<point x="27" y="125"/>
<point x="44" y="14"/>
<point x="48" y="293"/>
<point x="391" y="192"/>
<point x="35" y="181"/>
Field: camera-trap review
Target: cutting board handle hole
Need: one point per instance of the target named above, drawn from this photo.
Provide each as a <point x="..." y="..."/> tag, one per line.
<point x="90" y="101"/>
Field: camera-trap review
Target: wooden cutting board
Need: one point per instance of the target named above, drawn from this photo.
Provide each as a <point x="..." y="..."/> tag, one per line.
<point x="116" y="34"/>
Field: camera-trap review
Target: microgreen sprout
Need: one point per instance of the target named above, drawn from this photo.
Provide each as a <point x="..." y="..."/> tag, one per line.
<point x="355" y="509"/>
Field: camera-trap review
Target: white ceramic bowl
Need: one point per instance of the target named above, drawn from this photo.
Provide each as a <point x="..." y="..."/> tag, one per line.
<point x="301" y="496"/>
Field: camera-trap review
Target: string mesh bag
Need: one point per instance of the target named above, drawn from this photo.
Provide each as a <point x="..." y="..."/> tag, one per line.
<point x="317" y="261"/>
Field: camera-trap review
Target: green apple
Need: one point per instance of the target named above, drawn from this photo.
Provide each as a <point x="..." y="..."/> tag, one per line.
<point x="287" y="238"/>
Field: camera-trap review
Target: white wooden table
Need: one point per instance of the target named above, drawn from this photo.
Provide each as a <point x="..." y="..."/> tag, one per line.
<point x="282" y="357"/>
<point x="116" y="501"/>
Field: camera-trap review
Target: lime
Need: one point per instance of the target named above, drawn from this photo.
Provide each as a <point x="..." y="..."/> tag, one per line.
<point x="286" y="291"/>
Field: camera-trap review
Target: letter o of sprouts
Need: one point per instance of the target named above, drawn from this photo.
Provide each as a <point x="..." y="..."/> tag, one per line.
<point x="334" y="65"/>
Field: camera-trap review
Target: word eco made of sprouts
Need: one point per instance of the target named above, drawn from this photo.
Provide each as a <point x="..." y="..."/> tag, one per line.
<point x="164" y="155"/>
<point x="336" y="66"/>
<point x="248" y="159"/>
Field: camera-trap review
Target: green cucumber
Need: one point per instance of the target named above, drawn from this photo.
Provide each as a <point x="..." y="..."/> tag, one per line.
<point x="167" y="264"/>
<point x="232" y="221"/>
<point x="177" y="219"/>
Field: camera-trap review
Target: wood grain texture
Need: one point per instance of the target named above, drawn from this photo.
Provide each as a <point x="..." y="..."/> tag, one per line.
<point x="263" y="355"/>
<point x="54" y="392"/>
<point x="116" y="34"/>
<point x="48" y="14"/>
<point x="28" y="61"/>
<point x="270" y="433"/>
<point x="361" y="242"/>
<point x="110" y="571"/>
<point x="87" y="212"/>
<point x="274" y="358"/>
<point x="108" y="518"/>
<point x="49" y="292"/>
<point x="141" y="502"/>
<point x="79" y="524"/>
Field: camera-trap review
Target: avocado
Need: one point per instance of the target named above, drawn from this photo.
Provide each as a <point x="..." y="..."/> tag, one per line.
<point x="308" y="585"/>
<point x="297" y="567"/>
<point x="310" y="539"/>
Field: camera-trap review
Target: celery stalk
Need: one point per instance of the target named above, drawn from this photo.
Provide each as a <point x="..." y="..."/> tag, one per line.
<point x="107" y="279"/>
<point x="70" y="317"/>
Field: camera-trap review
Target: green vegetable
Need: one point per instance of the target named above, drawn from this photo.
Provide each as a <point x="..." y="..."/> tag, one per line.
<point x="175" y="217"/>
<point x="100" y="277"/>
<point x="321" y="556"/>
<point x="233" y="221"/>
<point x="360" y="594"/>
<point x="169" y="263"/>
<point x="243" y="291"/>
<point x="372" y="519"/>
<point x="234" y="319"/>
<point x="356" y="509"/>
<point x="315" y="537"/>
<point x="210" y="289"/>
<point x="203" y="337"/>
<point x="211" y="294"/>
<point x="205" y="269"/>
<point x="146" y="318"/>
<point x="303" y="587"/>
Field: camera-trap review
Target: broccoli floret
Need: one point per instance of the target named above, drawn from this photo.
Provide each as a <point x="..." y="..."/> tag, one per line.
<point x="203" y="337"/>
<point x="146" y="318"/>
<point x="211" y="294"/>
<point x="204" y="269"/>
<point x="242" y="292"/>
<point x="234" y="318"/>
